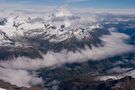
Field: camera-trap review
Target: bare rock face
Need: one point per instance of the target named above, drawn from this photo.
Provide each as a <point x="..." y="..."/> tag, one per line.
<point x="10" y="53"/>
<point x="88" y="83"/>
<point x="3" y="21"/>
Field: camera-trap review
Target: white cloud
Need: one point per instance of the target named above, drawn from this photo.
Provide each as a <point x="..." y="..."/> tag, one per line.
<point x="19" y="77"/>
<point x="11" y="7"/>
<point x="2" y="89"/>
<point x="114" y="45"/>
<point x="16" y="71"/>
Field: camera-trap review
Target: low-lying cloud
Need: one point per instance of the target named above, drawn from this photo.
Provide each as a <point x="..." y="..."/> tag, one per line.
<point x="19" y="77"/>
<point x="21" y="71"/>
<point x="16" y="71"/>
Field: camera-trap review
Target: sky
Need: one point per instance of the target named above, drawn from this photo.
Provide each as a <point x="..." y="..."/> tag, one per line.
<point x="76" y="3"/>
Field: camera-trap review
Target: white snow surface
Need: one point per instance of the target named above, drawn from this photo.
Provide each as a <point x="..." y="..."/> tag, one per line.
<point x="58" y="25"/>
<point x="118" y="76"/>
<point x="2" y="89"/>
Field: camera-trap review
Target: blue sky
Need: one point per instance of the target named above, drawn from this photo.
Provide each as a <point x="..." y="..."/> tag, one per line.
<point x="77" y="3"/>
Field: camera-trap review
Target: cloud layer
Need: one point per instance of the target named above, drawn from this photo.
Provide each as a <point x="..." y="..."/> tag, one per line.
<point x="19" y="77"/>
<point x="21" y="71"/>
<point x="17" y="71"/>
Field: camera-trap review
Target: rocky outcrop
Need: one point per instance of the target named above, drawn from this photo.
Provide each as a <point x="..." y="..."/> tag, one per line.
<point x="89" y="83"/>
<point x="10" y="52"/>
<point x="3" y="21"/>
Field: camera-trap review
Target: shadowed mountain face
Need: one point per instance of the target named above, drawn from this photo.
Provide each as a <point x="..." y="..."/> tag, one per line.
<point x="7" y="53"/>
<point x="3" y="21"/>
<point x="8" y="86"/>
<point x="88" y="83"/>
<point x="19" y="34"/>
<point x="72" y="43"/>
<point x="48" y="50"/>
<point x="42" y="43"/>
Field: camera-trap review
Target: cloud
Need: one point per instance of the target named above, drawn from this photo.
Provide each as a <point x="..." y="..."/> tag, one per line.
<point x="114" y="45"/>
<point x="21" y="78"/>
<point x="16" y="71"/>
<point x="25" y="7"/>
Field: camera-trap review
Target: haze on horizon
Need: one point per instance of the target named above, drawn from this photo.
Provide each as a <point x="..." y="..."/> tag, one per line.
<point x="111" y="4"/>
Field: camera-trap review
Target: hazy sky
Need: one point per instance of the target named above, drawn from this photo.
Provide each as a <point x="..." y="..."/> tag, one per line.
<point x="76" y="3"/>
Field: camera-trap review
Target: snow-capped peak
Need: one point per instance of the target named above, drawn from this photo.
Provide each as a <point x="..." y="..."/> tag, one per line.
<point x="61" y="26"/>
<point x="4" y="39"/>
